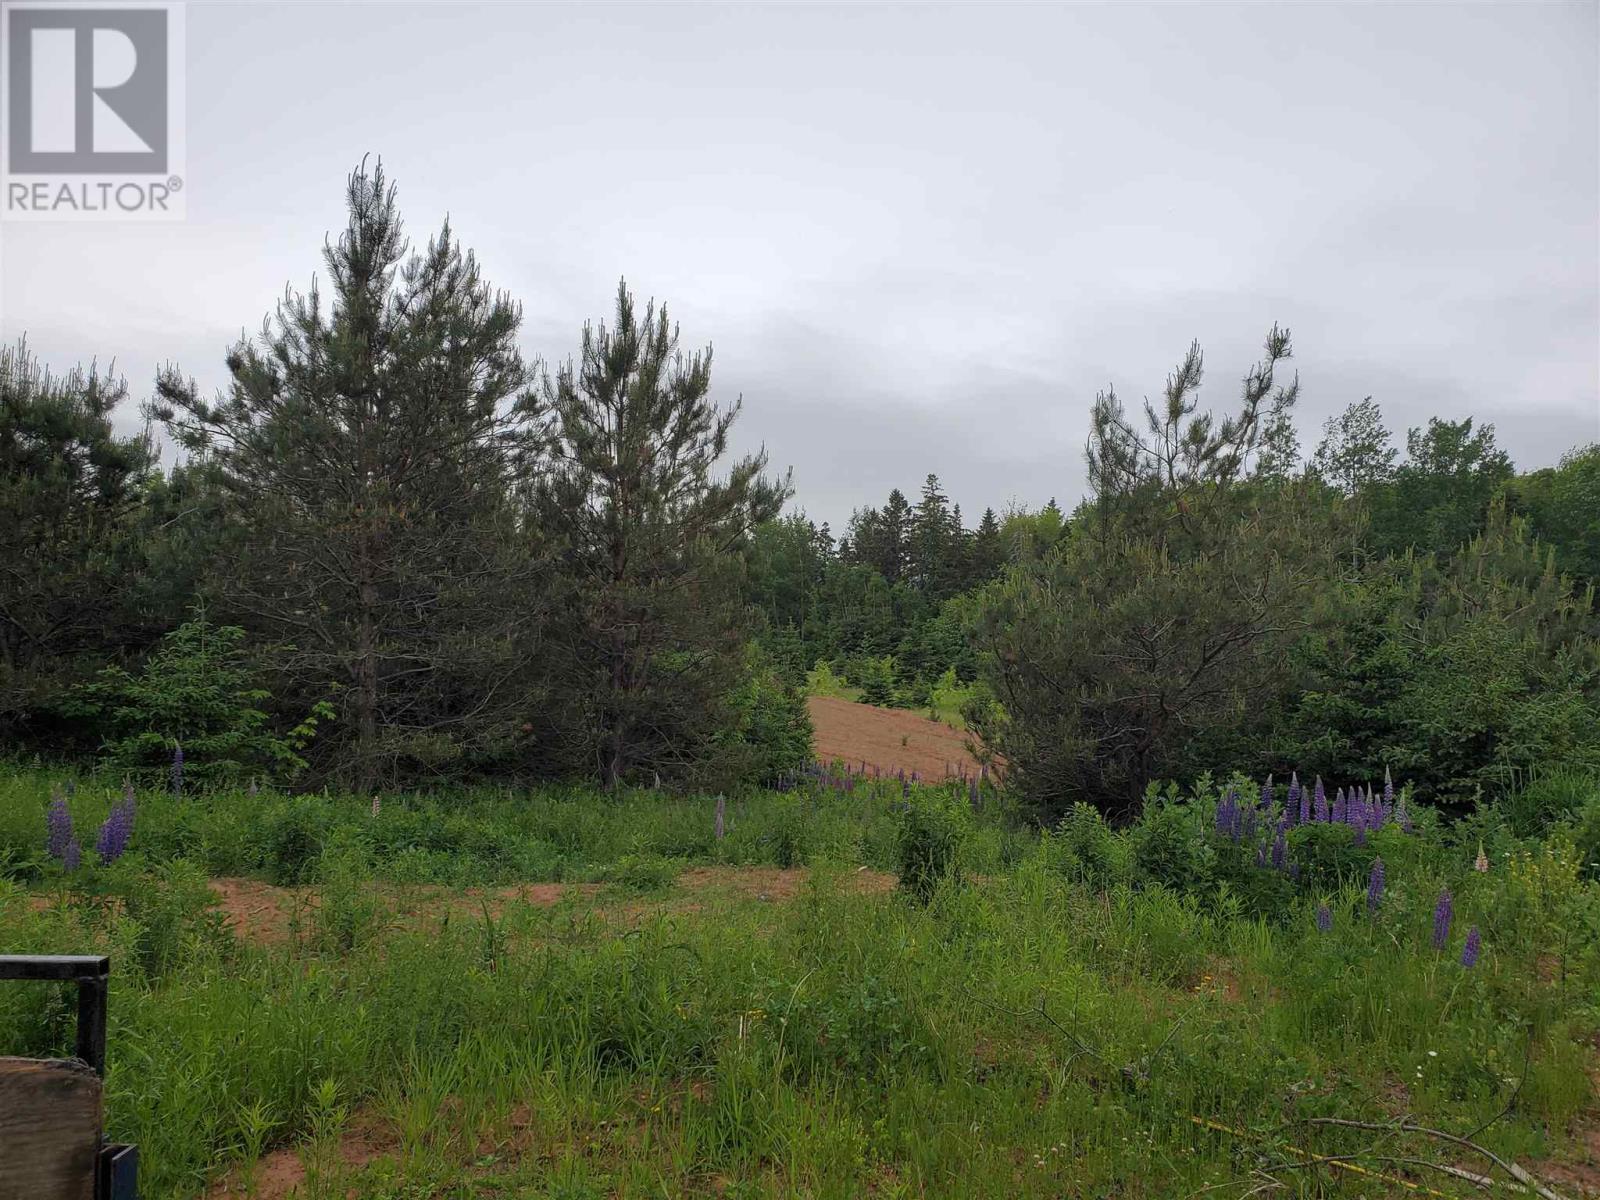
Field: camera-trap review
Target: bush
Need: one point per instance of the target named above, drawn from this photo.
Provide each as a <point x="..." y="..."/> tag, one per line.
<point x="196" y="690"/>
<point x="1085" y="850"/>
<point x="933" y="829"/>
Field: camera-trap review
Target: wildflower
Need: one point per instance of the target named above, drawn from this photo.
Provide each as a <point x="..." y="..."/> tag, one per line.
<point x="1280" y="851"/>
<point x="1226" y="813"/>
<point x="1375" y="885"/>
<point x="1341" y="810"/>
<point x="1469" y="952"/>
<point x="1481" y="863"/>
<point x="177" y="768"/>
<point x="1442" y="912"/>
<point x="1376" y="814"/>
<point x="1261" y="854"/>
<point x="1388" y="790"/>
<point x="58" y="826"/>
<point x="1403" y="813"/>
<point x="115" y="834"/>
<point x="1294" y="803"/>
<point x="1324" y="919"/>
<point x="72" y="856"/>
<point x="1320" y="799"/>
<point x="1266" y="794"/>
<point x="722" y="808"/>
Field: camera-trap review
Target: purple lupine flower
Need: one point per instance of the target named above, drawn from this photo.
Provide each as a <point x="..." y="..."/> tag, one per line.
<point x="1266" y="795"/>
<point x="115" y="833"/>
<point x="1442" y="912"/>
<point x="722" y="808"/>
<point x="1261" y="854"/>
<point x="1292" y="803"/>
<point x="1340" y="809"/>
<point x="1375" y="885"/>
<point x="1376" y="813"/>
<point x="1388" y="790"/>
<point x="58" y="827"/>
<point x="1226" y="813"/>
<point x="1403" y="813"/>
<point x="1320" y="802"/>
<point x="72" y="856"/>
<point x="1469" y="952"/>
<point x="1280" y="851"/>
<point x="177" y="769"/>
<point x="1324" y="918"/>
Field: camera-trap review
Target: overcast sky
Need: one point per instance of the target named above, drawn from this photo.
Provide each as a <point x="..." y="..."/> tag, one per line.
<point x="920" y="239"/>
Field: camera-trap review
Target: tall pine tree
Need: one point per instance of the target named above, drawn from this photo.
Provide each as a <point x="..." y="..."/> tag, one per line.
<point x="366" y="445"/>
<point x="653" y="635"/>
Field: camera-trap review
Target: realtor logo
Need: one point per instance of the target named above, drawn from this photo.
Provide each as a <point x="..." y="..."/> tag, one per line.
<point x="93" y="101"/>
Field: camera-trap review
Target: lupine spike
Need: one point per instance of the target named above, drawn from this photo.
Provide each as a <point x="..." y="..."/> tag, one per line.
<point x="58" y="826"/>
<point x="1340" y="808"/>
<point x="1266" y="794"/>
<point x="1442" y="912"/>
<point x="1375" y="885"/>
<point x="1320" y="798"/>
<point x="1280" y="851"/>
<point x="1388" y="789"/>
<point x="1292" y="804"/>
<point x="1470" y="951"/>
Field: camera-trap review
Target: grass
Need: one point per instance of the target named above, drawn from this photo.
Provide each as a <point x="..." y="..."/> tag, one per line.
<point x="1041" y="1030"/>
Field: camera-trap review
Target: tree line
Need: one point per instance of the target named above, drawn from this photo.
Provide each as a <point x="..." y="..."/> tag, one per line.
<point x="397" y="552"/>
<point x="444" y="560"/>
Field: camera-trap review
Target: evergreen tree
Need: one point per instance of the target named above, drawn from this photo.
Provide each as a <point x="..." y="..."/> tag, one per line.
<point x="652" y="645"/>
<point x="365" y="446"/>
<point x="71" y="493"/>
<point x="988" y="550"/>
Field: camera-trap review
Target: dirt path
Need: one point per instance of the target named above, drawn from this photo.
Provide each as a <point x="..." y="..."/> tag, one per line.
<point x="890" y="739"/>
<point x="264" y="913"/>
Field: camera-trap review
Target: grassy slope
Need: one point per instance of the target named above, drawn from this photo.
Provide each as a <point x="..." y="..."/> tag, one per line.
<point x="1025" y="1036"/>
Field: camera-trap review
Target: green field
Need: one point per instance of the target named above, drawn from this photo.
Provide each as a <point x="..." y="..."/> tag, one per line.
<point x="1134" y="1013"/>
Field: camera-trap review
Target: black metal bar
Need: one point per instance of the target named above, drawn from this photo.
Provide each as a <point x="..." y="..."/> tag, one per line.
<point x="117" y="1173"/>
<point x="91" y="972"/>
<point x="92" y="1023"/>
<point x="54" y="966"/>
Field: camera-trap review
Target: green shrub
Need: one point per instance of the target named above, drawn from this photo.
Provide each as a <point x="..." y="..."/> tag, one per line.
<point x="1085" y="849"/>
<point x="196" y="690"/>
<point x="933" y="828"/>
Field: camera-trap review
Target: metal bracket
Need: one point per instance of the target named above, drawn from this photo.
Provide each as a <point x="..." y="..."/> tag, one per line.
<point x="116" y="1172"/>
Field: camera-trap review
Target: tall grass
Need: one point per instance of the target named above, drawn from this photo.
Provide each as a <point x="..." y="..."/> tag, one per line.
<point x="1037" y="1031"/>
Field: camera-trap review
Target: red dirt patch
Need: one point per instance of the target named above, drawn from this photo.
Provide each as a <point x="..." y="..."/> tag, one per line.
<point x="265" y="914"/>
<point x="890" y="739"/>
<point x="776" y="883"/>
<point x="280" y="1174"/>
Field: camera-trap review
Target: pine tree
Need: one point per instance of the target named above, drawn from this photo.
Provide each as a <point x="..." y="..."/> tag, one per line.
<point x="988" y="550"/>
<point x="652" y="547"/>
<point x="365" y="445"/>
<point x="71" y="491"/>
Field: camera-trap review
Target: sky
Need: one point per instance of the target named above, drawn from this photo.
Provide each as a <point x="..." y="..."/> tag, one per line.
<point x="918" y="239"/>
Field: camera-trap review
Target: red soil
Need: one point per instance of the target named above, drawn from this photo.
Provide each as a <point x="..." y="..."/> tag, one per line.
<point x="890" y="739"/>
